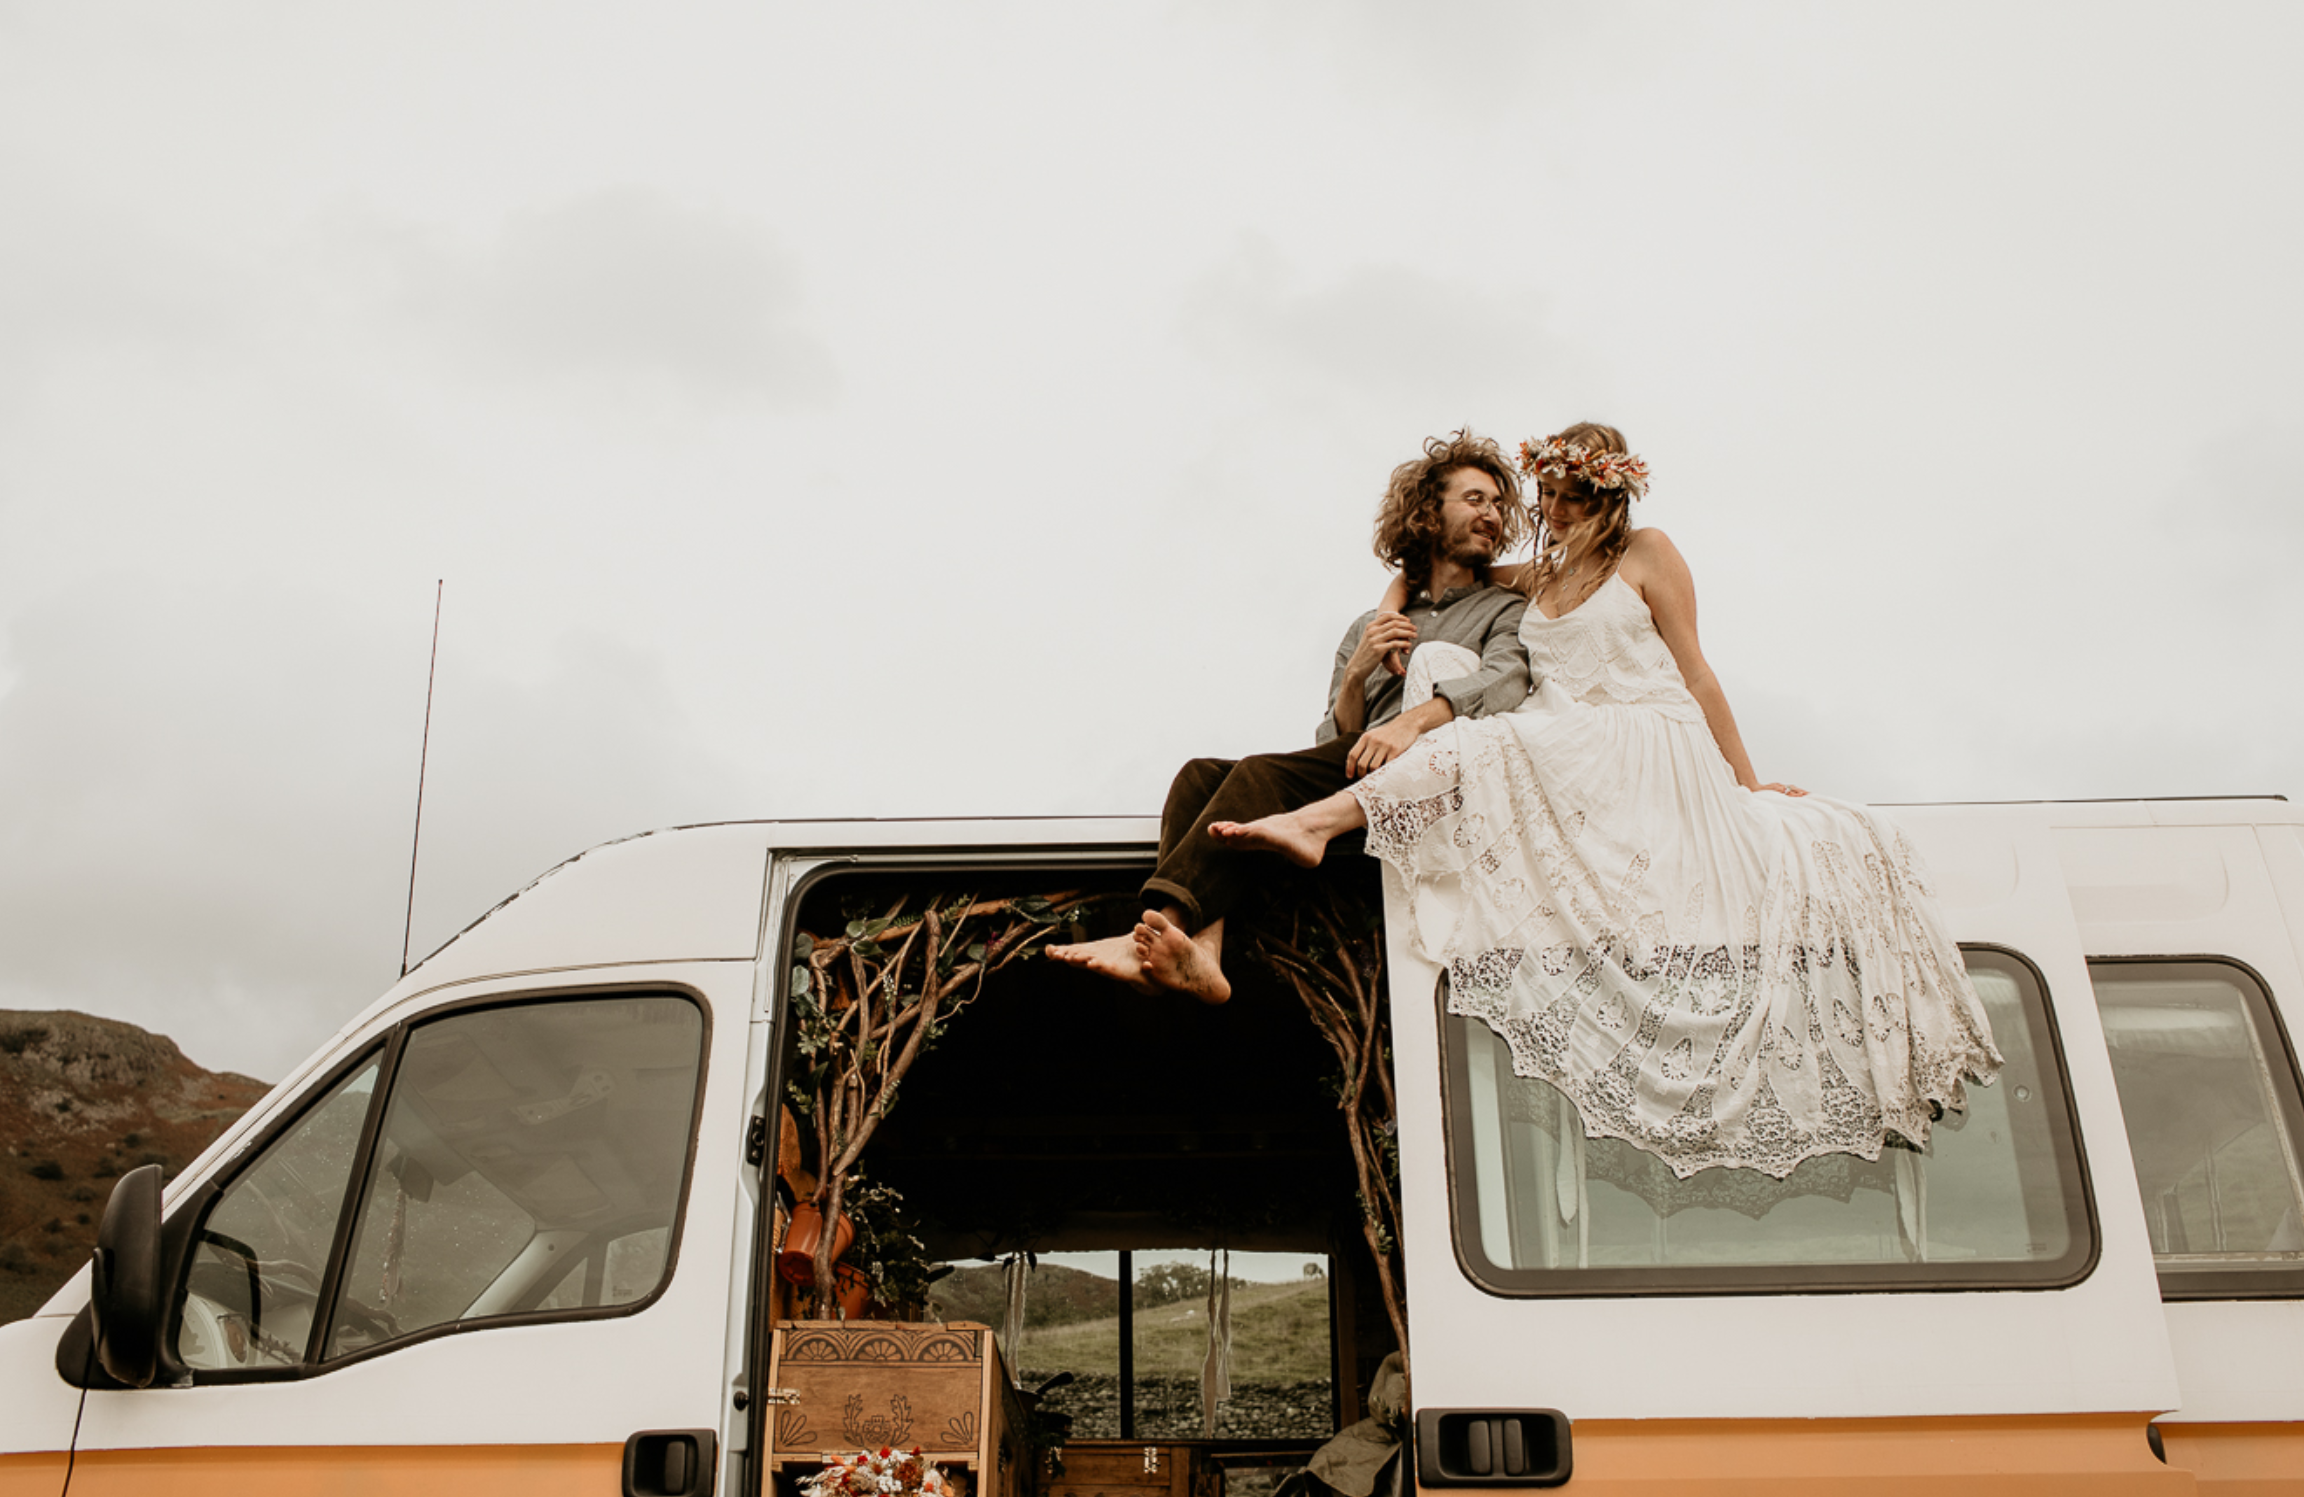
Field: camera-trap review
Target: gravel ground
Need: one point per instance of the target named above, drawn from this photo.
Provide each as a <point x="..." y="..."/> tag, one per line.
<point x="1169" y="1408"/>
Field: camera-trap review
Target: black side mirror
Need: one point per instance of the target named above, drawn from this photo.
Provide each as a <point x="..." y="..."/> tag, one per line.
<point x="125" y="1281"/>
<point x="76" y="1358"/>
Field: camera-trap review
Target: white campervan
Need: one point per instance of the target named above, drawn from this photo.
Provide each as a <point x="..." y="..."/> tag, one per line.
<point x="513" y="1229"/>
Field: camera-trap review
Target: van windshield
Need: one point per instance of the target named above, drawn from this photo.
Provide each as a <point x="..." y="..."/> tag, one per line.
<point x="1998" y="1198"/>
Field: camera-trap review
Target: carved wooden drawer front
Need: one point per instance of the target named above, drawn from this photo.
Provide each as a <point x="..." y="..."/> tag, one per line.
<point x="862" y="1384"/>
<point x="1122" y="1468"/>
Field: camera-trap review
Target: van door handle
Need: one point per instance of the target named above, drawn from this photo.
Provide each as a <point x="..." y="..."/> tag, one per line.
<point x="671" y="1463"/>
<point x="1492" y="1448"/>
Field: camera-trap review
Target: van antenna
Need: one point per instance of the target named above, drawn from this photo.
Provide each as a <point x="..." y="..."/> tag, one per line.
<point x="423" y="755"/>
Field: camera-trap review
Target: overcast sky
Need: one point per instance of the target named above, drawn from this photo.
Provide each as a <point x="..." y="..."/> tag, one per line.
<point x="907" y="410"/>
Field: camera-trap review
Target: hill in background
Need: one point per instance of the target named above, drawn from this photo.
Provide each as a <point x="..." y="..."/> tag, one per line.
<point x="1054" y="1295"/>
<point x="82" y="1101"/>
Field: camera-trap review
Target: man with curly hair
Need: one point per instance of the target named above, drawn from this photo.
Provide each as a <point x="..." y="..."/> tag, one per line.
<point x="1446" y="517"/>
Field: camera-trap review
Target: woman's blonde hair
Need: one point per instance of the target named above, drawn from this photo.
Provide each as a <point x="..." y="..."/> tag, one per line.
<point x="1610" y="526"/>
<point x="1408" y="521"/>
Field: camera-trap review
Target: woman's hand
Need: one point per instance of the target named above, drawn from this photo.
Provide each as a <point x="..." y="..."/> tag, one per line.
<point x="1782" y="789"/>
<point x="1395" y="600"/>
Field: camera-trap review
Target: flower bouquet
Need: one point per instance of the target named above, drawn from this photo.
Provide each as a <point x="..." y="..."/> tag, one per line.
<point x="889" y="1474"/>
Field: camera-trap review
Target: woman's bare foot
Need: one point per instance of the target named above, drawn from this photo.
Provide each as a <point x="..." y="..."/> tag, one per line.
<point x="1114" y="957"/>
<point x="1173" y="960"/>
<point x="1287" y="834"/>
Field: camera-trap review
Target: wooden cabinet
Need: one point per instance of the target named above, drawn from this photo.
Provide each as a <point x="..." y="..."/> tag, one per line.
<point x="1129" y="1468"/>
<point x="844" y="1386"/>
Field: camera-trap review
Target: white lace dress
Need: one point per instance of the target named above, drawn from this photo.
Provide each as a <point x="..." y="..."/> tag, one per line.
<point x="1718" y="976"/>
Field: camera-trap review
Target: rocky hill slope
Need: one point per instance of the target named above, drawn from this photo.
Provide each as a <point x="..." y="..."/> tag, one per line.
<point x="83" y="1100"/>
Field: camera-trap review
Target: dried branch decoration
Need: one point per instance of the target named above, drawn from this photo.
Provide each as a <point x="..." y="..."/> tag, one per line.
<point x="1327" y="943"/>
<point x="867" y="1002"/>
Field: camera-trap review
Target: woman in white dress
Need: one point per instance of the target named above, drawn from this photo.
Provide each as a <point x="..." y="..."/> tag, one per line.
<point x="1720" y="972"/>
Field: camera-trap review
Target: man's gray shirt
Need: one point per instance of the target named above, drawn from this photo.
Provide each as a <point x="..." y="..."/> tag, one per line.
<point x="1483" y="619"/>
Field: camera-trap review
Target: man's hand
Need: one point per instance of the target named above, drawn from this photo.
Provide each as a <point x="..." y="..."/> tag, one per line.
<point x="1387" y="634"/>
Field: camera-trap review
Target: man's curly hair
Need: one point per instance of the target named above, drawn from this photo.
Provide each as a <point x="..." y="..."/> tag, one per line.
<point x="1408" y="522"/>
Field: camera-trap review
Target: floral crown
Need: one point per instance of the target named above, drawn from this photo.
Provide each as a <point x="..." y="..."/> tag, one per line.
<point x="1554" y="458"/>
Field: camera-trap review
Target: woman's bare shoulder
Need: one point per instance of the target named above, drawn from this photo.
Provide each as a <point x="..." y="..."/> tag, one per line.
<point x="1655" y="567"/>
<point x="1650" y="554"/>
<point x="1648" y="541"/>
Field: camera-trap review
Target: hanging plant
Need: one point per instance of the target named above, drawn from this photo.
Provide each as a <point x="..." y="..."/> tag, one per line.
<point x="885" y="1250"/>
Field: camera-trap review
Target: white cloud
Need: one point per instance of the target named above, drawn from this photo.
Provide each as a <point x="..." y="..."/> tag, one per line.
<point x="1388" y="332"/>
<point x="212" y="796"/>
<point x="626" y="281"/>
<point x="78" y="280"/>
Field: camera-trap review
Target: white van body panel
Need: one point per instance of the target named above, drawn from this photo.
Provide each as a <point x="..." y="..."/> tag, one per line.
<point x="2187" y="883"/>
<point x="2099" y="1346"/>
<point x="39" y="1404"/>
<point x="686" y="895"/>
<point x="702" y="908"/>
<point x="589" y="1381"/>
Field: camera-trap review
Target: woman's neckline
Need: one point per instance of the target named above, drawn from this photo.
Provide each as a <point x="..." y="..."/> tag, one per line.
<point x="1554" y="618"/>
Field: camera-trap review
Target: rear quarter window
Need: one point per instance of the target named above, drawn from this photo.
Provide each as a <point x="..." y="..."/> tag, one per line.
<point x="1998" y="1199"/>
<point x="2209" y="1090"/>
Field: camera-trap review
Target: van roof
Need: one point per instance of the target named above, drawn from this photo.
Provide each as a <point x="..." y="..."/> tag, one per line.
<point x="698" y="892"/>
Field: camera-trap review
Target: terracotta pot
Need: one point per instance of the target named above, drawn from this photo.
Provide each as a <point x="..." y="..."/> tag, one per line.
<point x="853" y="1290"/>
<point x="796" y="1261"/>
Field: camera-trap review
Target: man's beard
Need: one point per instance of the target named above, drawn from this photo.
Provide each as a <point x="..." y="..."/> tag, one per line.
<point x="1468" y="553"/>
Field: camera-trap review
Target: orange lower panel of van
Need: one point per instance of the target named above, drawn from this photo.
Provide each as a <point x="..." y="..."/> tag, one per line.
<point x="24" y="1475"/>
<point x="2239" y="1460"/>
<point x="352" y="1471"/>
<point x="2092" y="1455"/>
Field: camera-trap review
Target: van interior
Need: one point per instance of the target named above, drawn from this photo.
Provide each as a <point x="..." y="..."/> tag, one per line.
<point x="1116" y="1139"/>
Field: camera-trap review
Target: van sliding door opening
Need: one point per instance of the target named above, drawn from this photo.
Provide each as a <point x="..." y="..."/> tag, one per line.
<point x="1068" y="1152"/>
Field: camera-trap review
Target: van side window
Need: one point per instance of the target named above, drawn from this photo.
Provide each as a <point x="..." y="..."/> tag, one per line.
<point x="532" y="1158"/>
<point x="2209" y="1090"/>
<point x="258" y="1262"/>
<point x="1997" y="1199"/>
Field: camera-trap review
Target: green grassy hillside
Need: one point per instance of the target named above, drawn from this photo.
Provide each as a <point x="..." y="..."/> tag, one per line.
<point x="1279" y="1335"/>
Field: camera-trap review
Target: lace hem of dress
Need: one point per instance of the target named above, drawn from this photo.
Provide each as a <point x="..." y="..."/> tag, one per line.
<point x="1688" y="1051"/>
<point x="1766" y="1136"/>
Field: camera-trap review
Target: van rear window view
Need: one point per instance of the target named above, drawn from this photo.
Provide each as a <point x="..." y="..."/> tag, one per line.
<point x="1998" y="1199"/>
<point x="2208" y="1088"/>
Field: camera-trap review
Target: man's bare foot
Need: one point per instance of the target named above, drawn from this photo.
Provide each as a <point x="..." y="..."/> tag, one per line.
<point x="1114" y="957"/>
<point x="1173" y="960"/>
<point x="1287" y="834"/>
